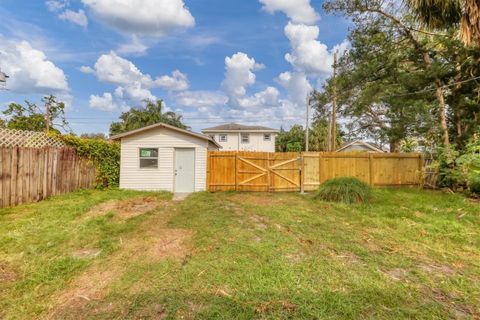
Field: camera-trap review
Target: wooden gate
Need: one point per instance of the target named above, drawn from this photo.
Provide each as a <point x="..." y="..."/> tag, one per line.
<point x="289" y="171"/>
<point x="254" y="171"/>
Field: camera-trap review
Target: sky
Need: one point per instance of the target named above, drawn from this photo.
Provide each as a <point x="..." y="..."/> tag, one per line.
<point x="212" y="61"/>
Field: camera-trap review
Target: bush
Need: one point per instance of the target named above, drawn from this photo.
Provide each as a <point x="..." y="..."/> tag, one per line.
<point x="345" y="189"/>
<point x="104" y="154"/>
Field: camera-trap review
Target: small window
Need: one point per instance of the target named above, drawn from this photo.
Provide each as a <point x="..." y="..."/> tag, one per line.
<point x="222" y="138"/>
<point x="148" y="158"/>
<point x="267" y="137"/>
<point x="245" y="138"/>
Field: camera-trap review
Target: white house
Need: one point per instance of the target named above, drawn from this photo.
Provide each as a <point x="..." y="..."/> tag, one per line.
<point x="163" y="157"/>
<point x="359" y="146"/>
<point x="238" y="137"/>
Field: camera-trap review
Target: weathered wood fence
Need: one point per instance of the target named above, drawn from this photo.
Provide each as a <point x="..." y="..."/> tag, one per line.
<point x="292" y="171"/>
<point x="32" y="174"/>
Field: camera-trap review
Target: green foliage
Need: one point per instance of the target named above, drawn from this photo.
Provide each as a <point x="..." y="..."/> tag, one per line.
<point x="344" y="189"/>
<point x="140" y="117"/>
<point x="460" y="170"/>
<point x="294" y="139"/>
<point x="104" y="154"/>
<point x="31" y="117"/>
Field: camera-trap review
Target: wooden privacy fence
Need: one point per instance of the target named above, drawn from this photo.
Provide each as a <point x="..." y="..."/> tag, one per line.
<point x="32" y="174"/>
<point x="292" y="171"/>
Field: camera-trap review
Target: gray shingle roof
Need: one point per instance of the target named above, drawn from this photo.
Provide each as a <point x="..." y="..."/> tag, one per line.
<point x="237" y="127"/>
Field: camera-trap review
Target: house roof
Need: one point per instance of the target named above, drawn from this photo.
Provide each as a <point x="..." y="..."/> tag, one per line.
<point x="166" y="126"/>
<point x="235" y="127"/>
<point x="360" y="142"/>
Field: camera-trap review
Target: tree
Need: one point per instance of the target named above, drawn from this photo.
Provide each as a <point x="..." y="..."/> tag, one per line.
<point x="140" y="117"/>
<point x="294" y="139"/>
<point x="443" y="14"/>
<point x="31" y="117"/>
<point x="100" y="136"/>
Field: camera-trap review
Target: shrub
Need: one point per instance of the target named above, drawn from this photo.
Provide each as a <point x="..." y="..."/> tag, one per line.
<point x="345" y="189"/>
<point x="104" y="154"/>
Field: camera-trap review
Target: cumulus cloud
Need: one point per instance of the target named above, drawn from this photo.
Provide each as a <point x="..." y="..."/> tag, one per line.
<point x="297" y="86"/>
<point x="30" y="70"/>
<point x="142" y="17"/>
<point x="132" y="84"/>
<point x="103" y="103"/>
<point x="239" y="75"/>
<point x="134" y="46"/>
<point x="263" y="99"/>
<point x="299" y="11"/>
<point x="77" y="17"/>
<point x="200" y="99"/>
<point x="308" y="54"/>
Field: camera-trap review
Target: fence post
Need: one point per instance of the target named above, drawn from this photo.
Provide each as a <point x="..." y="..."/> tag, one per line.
<point x="301" y="169"/>
<point x="235" y="171"/>
<point x="370" y="162"/>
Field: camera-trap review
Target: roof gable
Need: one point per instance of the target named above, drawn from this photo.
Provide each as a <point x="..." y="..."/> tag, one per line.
<point x="360" y="143"/>
<point x="166" y="126"/>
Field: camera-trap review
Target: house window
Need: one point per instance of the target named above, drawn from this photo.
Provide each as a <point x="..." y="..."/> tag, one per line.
<point x="245" y="138"/>
<point x="148" y="158"/>
<point x="222" y="138"/>
<point x="266" y="137"/>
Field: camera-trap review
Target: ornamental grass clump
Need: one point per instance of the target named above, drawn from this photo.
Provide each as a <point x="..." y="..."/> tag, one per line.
<point x="346" y="189"/>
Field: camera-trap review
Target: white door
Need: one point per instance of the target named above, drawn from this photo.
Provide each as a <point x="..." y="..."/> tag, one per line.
<point x="184" y="170"/>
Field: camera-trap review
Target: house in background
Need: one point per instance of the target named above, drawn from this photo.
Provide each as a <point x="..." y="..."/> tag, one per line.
<point x="164" y="157"/>
<point x="239" y="137"/>
<point x="359" y="146"/>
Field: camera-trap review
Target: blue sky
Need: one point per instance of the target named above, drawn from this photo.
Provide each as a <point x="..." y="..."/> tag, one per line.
<point x="212" y="61"/>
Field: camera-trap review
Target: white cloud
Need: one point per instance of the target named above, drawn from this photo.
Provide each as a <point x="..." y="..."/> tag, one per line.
<point x="177" y="82"/>
<point x="299" y="11"/>
<point x="30" y="70"/>
<point x="308" y="54"/>
<point x="134" y="46"/>
<point x="142" y="17"/>
<point x="297" y="86"/>
<point x="103" y="103"/>
<point x="55" y="5"/>
<point x="200" y="99"/>
<point x="132" y="85"/>
<point x="75" y="17"/>
<point x="239" y="75"/>
<point x="263" y="99"/>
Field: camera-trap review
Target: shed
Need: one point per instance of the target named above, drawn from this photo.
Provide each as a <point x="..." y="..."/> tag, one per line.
<point x="164" y="157"/>
<point x="359" y="146"/>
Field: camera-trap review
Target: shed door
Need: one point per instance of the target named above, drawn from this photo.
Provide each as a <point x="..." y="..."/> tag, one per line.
<point x="184" y="170"/>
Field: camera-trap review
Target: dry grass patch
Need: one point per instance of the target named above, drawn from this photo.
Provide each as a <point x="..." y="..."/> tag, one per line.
<point x="129" y="208"/>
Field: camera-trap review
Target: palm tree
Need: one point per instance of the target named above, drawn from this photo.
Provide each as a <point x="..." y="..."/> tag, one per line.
<point x="442" y="14"/>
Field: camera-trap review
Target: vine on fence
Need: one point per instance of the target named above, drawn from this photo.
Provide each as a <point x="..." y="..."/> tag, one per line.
<point x="104" y="154"/>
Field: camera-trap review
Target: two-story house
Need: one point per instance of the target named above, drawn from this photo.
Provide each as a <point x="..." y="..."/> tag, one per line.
<point x="238" y="137"/>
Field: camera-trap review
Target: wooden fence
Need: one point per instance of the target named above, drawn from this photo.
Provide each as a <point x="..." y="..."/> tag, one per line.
<point x="291" y="171"/>
<point x="32" y="174"/>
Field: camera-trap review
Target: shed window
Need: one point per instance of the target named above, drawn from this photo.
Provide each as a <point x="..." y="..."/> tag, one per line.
<point x="267" y="137"/>
<point x="222" y="137"/>
<point x="245" y="138"/>
<point x="148" y="158"/>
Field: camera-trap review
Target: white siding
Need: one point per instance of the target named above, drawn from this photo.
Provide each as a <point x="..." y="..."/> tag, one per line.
<point x="256" y="143"/>
<point x="161" y="178"/>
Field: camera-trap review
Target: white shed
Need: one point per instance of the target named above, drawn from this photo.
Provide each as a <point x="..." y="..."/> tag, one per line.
<point x="164" y="157"/>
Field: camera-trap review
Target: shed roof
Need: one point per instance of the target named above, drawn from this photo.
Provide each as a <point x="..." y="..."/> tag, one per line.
<point x="238" y="127"/>
<point x="166" y="126"/>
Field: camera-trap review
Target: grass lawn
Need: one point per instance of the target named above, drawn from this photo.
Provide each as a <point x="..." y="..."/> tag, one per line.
<point x="123" y="254"/>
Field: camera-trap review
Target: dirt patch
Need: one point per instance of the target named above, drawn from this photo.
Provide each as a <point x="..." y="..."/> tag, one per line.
<point x="295" y="257"/>
<point x="125" y="209"/>
<point x="346" y="257"/>
<point x="259" y="222"/>
<point x="152" y="311"/>
<point x="152" y="243"/>
<point x="456" y="309"/>
<point x="7" y="274"/>
<point x="86" y="253"/>
<point x="397" y="274"/>
<point x="169" y="244"/>
<point x="437" y="269"/>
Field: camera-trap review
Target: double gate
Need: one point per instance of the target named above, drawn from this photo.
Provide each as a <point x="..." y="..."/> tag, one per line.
<point x="294" y="171"/>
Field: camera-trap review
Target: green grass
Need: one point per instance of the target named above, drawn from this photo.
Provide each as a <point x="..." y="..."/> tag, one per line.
<point x="407" y="254"/>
